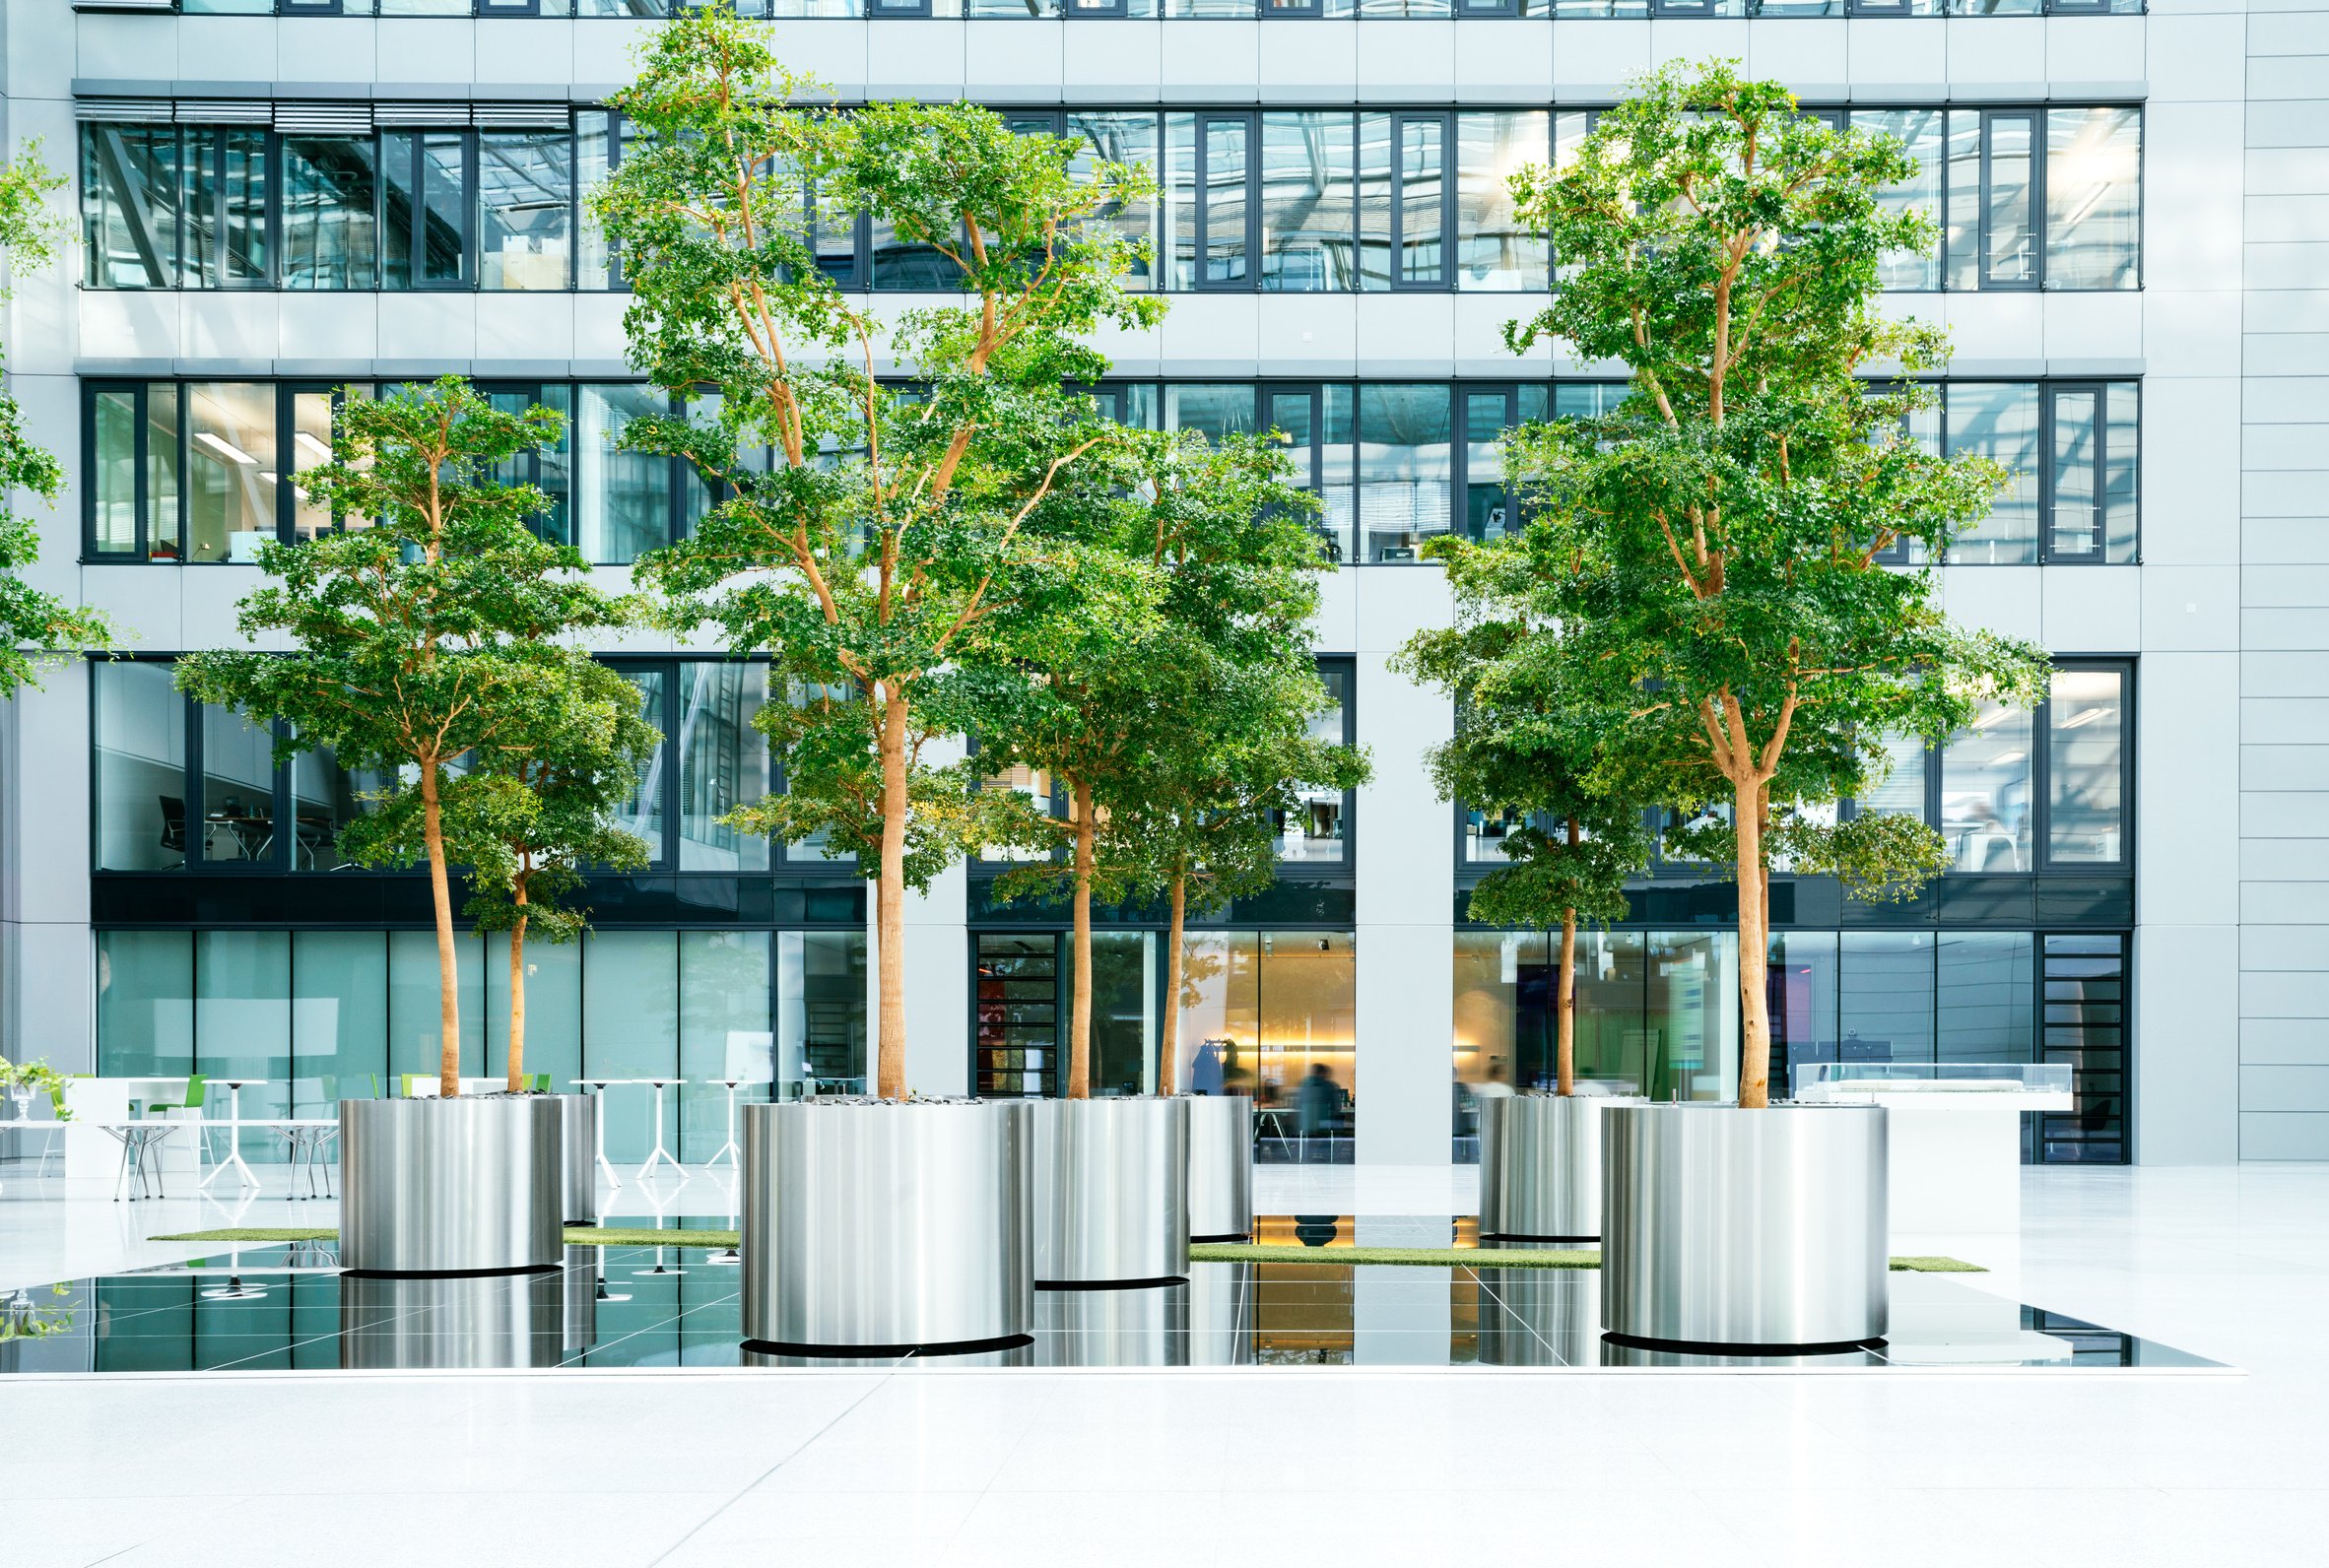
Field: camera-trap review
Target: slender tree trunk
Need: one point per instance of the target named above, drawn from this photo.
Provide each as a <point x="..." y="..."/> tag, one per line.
<point x="1168" y="1041"/>
<point x="890" y="904"/>
<point x="1564" y="1055"/>
<point x="518" y="998"/>
<point x="1755" y="946"/>
<point x="441" y="894"/>
<point x="1079" y="1085"/>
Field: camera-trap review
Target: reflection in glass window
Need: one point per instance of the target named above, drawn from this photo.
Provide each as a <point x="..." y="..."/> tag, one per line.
<point x="237" y="825"/>
<point x="595" y="156"/>
<point x="1338" y="468"/>
<point x="425" y="206"/>
<point x="643" y="814"/>
<point x="1493" y="251"/>
<point x="525" y="187"/>
<point x="1802" y="982"/>
<point x="1902" y="792"/>
<point x="129" y="205"/>
<point x="1999" y="420"/>
<point x="141" y="768"/>
<point x="1885" y="996"/>
<point x="622" y="499"/>
<point x="1309" y="171"/>
<point x="1403" y="201"/>
<point x="2086" y="767"/>
<point x="1120" y="138"/>
<point x="1484" y="833"/>
<point x="2091" y="514"/>
<point x="821" y="1013"/>
<point x="631" y="1013"/>
<point x="224" y="225"/>
<point x="1984" y="996"/>
<point x="2009" y="202"/>
<point x="1215" y="409"/>
<point x="1985" y="795"/>
<point x="339" y="1018"/>
<point x="1223" y="168"/>
<point x="114" y="473"/>
<point x="242" y="1028"/>
<point x="230" y="472"/>
<point x="2094" y="197"/>
<point x="311" y="447"/>
<point x="1921" y="135"/>
<point x="145" y="1004"/>
<point x="723" y="763"/>
<point x="1404" y="468"/>
<point x="1284" y="1005"/>
<point x="330" y="213"/>
<point x="727" y="986"/>
<point x="1313" y="834"/>
<point x="1125" y="977"/>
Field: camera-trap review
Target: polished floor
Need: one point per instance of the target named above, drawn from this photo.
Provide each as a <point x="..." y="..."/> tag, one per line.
<point x="1369" y="1463"/>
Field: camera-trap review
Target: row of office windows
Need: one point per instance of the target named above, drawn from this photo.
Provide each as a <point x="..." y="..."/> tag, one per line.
<point x="204" y="471"/>
<point x="2014" y="793"/>
<point x="1268" y="9"/>
<point x="1293" y="201"/>
<point x="181" y="785"/>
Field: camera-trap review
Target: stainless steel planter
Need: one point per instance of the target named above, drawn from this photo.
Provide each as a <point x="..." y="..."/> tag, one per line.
<point x="468" y="1185"/>
<point x="1110" y="1185"/>
<point x="1221" y="1167"/>
<point x="874" y="1227"/>
<point x="1539" y="1317"/>
<point x="453" y="1323"/>
<point x="577" y="1120"/>
<point x="1540" y="1166"/>
<point x="1744" y="1230"/>
<point x="1141" y="1325"/>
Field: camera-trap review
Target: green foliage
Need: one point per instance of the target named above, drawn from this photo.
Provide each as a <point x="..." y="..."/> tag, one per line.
<point x="36" y="629"/>
<point x="37" y="1078"/>
<point x="1880" y="857"/>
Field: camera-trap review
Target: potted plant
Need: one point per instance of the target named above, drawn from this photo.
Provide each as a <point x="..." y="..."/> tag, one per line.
<point x="869" y="536"/>
<point x="1732" y="565"/>
<point x="21" y="1080"/>
<point x="430" y="636"/>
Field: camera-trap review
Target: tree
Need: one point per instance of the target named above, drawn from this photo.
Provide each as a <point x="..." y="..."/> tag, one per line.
<point x="1713" y="553"/>
<point x="1197" y="651"/>
<point x="871" y="534"/>
<point x="33" y="624"/>
<point x="1524" y="746"/>
<point x="419" y="641"/>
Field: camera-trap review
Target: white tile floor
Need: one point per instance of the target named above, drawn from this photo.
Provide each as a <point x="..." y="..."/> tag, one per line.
<point x="1327" y="1466"/>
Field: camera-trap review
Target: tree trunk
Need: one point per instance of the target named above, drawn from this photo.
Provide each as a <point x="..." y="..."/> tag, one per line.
<point x="1755" y="947"/>
<point x="890" y="905"/>
<point x="1079" y="1083"/>
<point x="449" y="973"/>
<point x="1565" y="1059"/>
<point x="517" y="998"/>
<point x="1168" y="1041"/>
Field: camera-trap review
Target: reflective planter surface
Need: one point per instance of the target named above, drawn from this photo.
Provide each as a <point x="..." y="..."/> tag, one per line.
<point x="578" y="1157"/>
<point x="1221" y="1167"/>
<point x="871" y="1227"/>
<point x="467" y="1185"/>
<point x="465" y="1320"/>
<point x="1750" y="1230"/>
<point x="1110" y="1184"/>
<point x="1140" y="1326"/>
<point x="1540" y="1165"/>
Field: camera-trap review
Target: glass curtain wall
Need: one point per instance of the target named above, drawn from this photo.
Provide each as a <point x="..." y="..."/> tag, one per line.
<point x="1281" y="1006"/>
<point x="338" y="1015"/>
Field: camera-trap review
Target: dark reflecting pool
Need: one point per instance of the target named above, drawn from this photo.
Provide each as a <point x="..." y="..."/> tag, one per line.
<point x="288" y="1308"/>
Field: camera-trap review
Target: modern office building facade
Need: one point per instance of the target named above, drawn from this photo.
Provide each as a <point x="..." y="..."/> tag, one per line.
<point x="270" y="207"/>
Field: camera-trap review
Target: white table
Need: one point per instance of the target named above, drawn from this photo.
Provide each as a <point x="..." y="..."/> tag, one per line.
<point x="661" y="1153"/>
<point x="1955" y="1160"/>
<point x="233" y="1134"/>
<point x="729" y="1150"/>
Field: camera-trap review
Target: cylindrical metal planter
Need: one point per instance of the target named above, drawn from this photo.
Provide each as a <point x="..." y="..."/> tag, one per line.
<point x="1540" y="1166"/>
<point x="1744" y="1230"/>
<point x="467" y="1185"/>
<point x="876" y="1228"/>
<point x="453" y="1323"/>
<point x="1221" y="1167"/>
<point x="1223" y="1305"/>
<point x="1110" y="1185"/>
<point x="577" y="1119"/>
<point x="1146" y="1325"/>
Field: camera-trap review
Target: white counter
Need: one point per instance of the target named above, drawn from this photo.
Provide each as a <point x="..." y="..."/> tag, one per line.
<point x="1956" y="1150"/>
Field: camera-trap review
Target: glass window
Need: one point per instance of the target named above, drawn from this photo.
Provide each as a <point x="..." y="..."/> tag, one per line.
<point x="1403" y="201"/>
<point x="1218" y="410"/>
<point x="1691" y="1022"/>
<point x="525" y="191"/>
<point x="330" y="211"/>
<point x="2121" y="459"/>
<point x="2009" y="202"/>
<point x="2085" y="768"/>
<point x="1314" y="835"/>
<point x="595" y="155"/>
<point x="1985" y="795"/>
<point x="129" y="205"/>
<point x="645" y="815"/>
<point x="141" y="768"/>
<point x="1902" y="792"/>
<point x="1487" y="513"/>
<point x="630" y="1022"/>
<point x="1020" y="1016"/>
<point x="1999" y="420"/>
<point x="1885" y="996"/>
<point x="1921" y="134"/>
<point x="2090" y="512"/>
<point x="822" y="1013"/>
<point x="231" y="470"/>
<point x="726" y="985"/>
<point x="1485" y="835"/>
<point x="145" y="1004"/>
<point x="1338" y="468"/>
<point x="425" y="206"/>
<point x="1800" y="978"/>
<point x="1124" y="983"/>
<point x="1224" y="170"/>
<point x="1120" y="138"/>
<point x="1494" y="251"/>
<point x="1960" y="244"/>
<point x="242" y="1022"/>
<point x="311" y="447"/>
<point x="164" y="539"/>
<point x="1308" y="183"/>
<point x="622" y="499"/>
<point x="2094" y="197"/>
<point x="1404" y="462"/>
<point x="416" y="1031"/>
<point x="554" y="1010"/>
<point x="339" y="1018"/>
<point x="114" y="475"/>
<point x="1986" y="995"/>
<point x="1305" y="1054"/>
<point x="1495" y="1026"/>
<point x="237" y="825"/>
<point x="325" y="798"/>
<point x="225" y="222"/>
<point x="723" y="763"/>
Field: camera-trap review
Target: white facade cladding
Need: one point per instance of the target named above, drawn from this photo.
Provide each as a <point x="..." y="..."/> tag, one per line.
<point x="2224" y="623"/>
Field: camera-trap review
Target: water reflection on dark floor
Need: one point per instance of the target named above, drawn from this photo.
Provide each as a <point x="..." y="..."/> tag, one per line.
<point x="277" y="1308"/>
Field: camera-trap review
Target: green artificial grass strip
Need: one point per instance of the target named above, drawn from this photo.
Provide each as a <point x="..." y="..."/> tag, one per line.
<point x="1935" y="1264"/>
<point x="251" y="1235"/>
<point x="575" y="1236"/>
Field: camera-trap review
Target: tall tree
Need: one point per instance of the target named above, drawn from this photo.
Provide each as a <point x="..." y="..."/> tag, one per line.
<point x="1713" y="552"/>
<point x="33" y="625"/>
<point x="1524" y="748"/>
<point x="869" y="533"/>
<point x="422" y="633"/>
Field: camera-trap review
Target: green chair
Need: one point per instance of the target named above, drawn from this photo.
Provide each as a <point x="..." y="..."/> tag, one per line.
<point x="197" y="1091"/>
<point x="538" y="1082"/>
<point x="411" y="1079"/>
